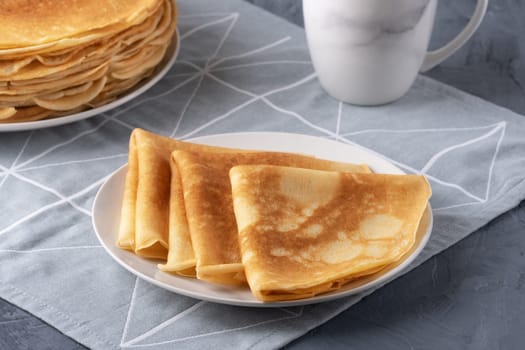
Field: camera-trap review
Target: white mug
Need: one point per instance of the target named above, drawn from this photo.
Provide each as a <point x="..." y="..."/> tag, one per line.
<point x="369" y="52"/>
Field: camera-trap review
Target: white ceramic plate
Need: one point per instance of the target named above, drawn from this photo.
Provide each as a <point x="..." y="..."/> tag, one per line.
<point x="106" y="216"/>
<point x="163" y="68"/>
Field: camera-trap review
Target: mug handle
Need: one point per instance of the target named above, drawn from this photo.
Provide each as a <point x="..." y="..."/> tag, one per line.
<point x="433" y="58"/>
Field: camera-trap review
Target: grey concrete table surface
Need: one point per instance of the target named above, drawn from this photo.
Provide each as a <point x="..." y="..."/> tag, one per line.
<point x="471" y="296"/>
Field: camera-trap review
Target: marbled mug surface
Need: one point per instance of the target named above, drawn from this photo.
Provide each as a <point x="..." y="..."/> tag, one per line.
<point x="368" y="52"/>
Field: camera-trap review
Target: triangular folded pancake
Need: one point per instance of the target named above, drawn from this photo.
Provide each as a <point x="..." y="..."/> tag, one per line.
<point x="209" y="206"/>
<point x="305" y="232"/>
<point x="144" y="215"/>
<point x="147" y="222"/>
<point x="181" y="258"/>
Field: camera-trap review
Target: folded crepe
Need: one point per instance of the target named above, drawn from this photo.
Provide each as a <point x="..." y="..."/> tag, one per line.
<point x="144" y="215"/>
<point x="209" y="208"/>
<point x="152" y="187"/>
<point x="304" y="232"/>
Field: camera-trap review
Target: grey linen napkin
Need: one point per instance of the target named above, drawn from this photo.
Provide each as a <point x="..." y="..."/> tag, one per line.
<point x="239" y="69"/>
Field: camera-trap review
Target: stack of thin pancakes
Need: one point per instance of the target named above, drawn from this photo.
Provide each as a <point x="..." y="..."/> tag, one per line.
<point x="288" y="225"/>
<point x="58" y="57"/>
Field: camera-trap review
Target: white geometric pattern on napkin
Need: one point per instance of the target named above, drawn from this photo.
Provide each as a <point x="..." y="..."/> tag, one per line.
<point x="175" y="329"/>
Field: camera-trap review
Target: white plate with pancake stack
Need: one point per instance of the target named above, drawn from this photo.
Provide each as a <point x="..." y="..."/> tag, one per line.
<point x="61" y="63"/>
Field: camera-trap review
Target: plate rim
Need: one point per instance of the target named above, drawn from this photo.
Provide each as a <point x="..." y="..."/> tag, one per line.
<point x="378" y="282"/>
<point x="130" y="95"/>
